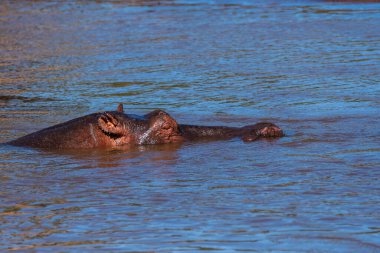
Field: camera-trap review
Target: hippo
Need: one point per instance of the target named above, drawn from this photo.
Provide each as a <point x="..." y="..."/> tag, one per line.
<point x="115" y="128"/>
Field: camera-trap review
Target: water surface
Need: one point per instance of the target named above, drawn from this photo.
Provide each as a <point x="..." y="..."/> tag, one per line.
<point x="310" y="66"/>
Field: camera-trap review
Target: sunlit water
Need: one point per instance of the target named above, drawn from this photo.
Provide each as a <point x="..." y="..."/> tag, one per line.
<point x="312" y="67"/>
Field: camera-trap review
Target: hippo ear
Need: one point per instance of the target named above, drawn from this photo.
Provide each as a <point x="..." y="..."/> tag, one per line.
<point x="108" y="123"/>
<point x="120" y="108"/>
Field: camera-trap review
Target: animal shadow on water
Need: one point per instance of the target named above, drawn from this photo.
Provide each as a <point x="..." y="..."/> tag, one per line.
<point x="115" y="129"/>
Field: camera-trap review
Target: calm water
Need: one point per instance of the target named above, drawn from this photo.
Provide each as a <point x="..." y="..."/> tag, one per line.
<point x="312" y="67"/>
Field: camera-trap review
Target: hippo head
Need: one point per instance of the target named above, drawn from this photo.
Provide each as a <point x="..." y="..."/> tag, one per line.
<point x="117" y="128"/>
<point x="162" y="129"/>
<point x="261" y="130"/>
<point x="157" y="127"/>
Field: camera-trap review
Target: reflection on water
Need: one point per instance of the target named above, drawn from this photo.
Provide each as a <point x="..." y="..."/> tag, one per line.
<point x="310" y="66"/>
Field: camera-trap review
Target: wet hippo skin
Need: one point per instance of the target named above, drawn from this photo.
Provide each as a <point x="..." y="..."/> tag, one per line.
<point x="115" y="128"/>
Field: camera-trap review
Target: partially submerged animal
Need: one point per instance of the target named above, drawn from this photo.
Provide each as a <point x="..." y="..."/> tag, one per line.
<point x="115" y="128"/>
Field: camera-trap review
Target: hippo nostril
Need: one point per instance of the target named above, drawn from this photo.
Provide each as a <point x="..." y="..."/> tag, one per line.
<point x="111" y="119"/>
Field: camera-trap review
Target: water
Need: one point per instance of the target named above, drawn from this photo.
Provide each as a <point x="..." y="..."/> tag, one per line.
<point x="310" y="66"/>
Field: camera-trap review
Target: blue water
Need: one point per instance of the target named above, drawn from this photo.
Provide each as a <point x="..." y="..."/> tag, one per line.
<point x="311" y="67"/>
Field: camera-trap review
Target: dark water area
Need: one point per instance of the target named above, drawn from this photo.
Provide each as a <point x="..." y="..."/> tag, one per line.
<point x="312" y="67"/>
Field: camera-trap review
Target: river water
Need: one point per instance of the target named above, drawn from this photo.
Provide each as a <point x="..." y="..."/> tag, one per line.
<point x="312" y="67"/>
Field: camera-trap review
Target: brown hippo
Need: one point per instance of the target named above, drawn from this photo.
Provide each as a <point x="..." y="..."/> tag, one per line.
<point x="115" y="128"/>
